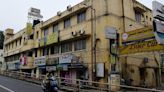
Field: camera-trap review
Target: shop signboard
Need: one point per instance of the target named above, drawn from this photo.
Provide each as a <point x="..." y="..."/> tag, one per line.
<point x="29" y="28"/>
<point x="50" y="68"/>
<point x="34" y="12"/>
<point x="67" y="58"/>
<point x="137" y="35"/>
<point x="52" y="38"/>
<point x="150" y="45"/>
<point x="40" y="61"/>
<point x="52" y="61"/>
<point x="13" y="65"/>
<point x="65" y="67"/>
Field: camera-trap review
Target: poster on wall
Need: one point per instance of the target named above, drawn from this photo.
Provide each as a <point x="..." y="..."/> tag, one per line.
<point x="100" y="70"/>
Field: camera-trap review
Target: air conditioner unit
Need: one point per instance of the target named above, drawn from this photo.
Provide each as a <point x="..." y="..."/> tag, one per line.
<point x="74" y="33"/>
<point x="59" y="13"/>
<point x="81" y="32"/>
<point x="69" y="8"/>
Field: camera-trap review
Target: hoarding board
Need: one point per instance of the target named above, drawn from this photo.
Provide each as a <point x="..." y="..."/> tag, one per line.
<point x="137" y="35"/>
<point x="145" y="46"/>
<point x="40" y="61"/>
<point x="52" y="38"/>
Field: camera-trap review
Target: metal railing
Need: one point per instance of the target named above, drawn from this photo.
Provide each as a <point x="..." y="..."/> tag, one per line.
<point x="76" y="85"/>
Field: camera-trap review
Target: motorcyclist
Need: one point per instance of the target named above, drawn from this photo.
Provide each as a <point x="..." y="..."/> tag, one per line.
<point x="50" y="83"/>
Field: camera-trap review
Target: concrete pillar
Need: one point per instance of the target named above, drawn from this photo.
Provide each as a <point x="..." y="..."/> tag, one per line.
<point x="150" y="78"/>
<point x="37" y="72"/>
<point x="32" y="72"/>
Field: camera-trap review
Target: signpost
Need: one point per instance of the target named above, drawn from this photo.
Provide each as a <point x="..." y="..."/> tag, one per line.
<point x="111" y="34"/>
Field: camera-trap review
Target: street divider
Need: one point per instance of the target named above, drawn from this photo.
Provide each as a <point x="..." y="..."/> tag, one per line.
<point x="74" y="85"/>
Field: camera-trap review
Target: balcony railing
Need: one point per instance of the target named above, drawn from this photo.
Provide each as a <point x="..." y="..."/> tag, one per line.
<point x="29" y="44"/>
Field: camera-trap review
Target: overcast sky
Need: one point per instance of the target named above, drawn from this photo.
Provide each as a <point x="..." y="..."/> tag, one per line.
<point x="13" y="13"/>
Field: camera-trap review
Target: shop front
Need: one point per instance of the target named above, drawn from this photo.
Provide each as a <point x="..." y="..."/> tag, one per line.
<point x="142" y="72"/>
<point x="51" y="65"/>
<point x="70" y="69"/>
<point x="14" y="66"/>
<point x="40" y="64"/>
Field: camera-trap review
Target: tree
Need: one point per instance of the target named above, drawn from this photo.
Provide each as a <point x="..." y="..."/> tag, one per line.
<point x="1" y="39"/>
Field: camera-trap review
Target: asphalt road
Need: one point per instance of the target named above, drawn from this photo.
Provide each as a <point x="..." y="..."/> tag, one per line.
<point x="13" y="85"/>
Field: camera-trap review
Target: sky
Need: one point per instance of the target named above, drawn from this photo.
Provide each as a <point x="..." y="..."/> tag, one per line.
<point x="13" y="13"/>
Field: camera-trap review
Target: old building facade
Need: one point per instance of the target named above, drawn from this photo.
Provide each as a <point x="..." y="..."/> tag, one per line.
<point x="72" y="44"/>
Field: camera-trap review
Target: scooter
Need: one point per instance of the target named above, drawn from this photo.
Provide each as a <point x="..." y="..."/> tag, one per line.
<point x="49" y="85"/>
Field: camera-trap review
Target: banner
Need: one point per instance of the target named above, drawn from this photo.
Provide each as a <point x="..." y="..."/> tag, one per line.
<point x="137" y="35"/>
<point x="52" y="38"/>
<point x="29" y="28"/>
<point x="145" y="46"/>
<point x="40" y="61"/>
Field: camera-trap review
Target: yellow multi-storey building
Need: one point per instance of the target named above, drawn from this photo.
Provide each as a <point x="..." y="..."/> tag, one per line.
<point x="72" y="44"/>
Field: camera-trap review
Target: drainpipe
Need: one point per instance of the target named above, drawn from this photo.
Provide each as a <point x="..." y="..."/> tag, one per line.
<point x="123" y="15"/>
<point x="106" y="7"/>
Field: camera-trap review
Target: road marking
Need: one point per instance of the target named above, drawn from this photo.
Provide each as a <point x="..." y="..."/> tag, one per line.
<point x="6" y="88"/>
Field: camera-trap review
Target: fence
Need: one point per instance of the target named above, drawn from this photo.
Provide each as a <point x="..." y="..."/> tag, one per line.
<point x="76" y="85"/>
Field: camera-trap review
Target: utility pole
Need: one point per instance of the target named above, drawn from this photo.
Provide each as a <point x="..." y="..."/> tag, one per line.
<point x="114" y="76"/>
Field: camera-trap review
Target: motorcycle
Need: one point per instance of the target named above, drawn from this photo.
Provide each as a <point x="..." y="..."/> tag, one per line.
<point x="49" y="85"/>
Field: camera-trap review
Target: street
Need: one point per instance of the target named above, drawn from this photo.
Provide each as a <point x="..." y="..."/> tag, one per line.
<point x="13" y="85"/>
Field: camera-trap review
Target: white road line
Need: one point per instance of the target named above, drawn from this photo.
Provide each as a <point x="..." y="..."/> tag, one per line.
<point x="6" y="88"/>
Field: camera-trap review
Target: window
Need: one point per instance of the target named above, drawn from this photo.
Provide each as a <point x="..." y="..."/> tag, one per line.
<point x="55" y="28"/>
<point x="12" y="44"/>
<point x="37" y="35"/>
<point x="162" y="61"/>
<point x="45" y="51"/>
<point x="30" y="53"/>
<point x="81" y="17"/>
<point x="20" y="41"/>
<point x="16" y="43"/>
<point x="66" y="47"/>
<point x="138" y="16"/>
<point x="67" y="23"/>
<point x="52" y="50"/>
<point x="56" y="49"/>
<point x="147" y="17"/>
<point x="79" y="45"/>
<point x="36" y="52"/>
<point x="45" y="32"/>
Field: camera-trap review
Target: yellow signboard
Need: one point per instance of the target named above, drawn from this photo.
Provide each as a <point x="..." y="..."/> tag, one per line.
<point x="145" y="46"/>
<point x="41" y="42"/>
<point x="136" y="35"/>
<point x="29" y="28"/>
<point x="52" y="38"/>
